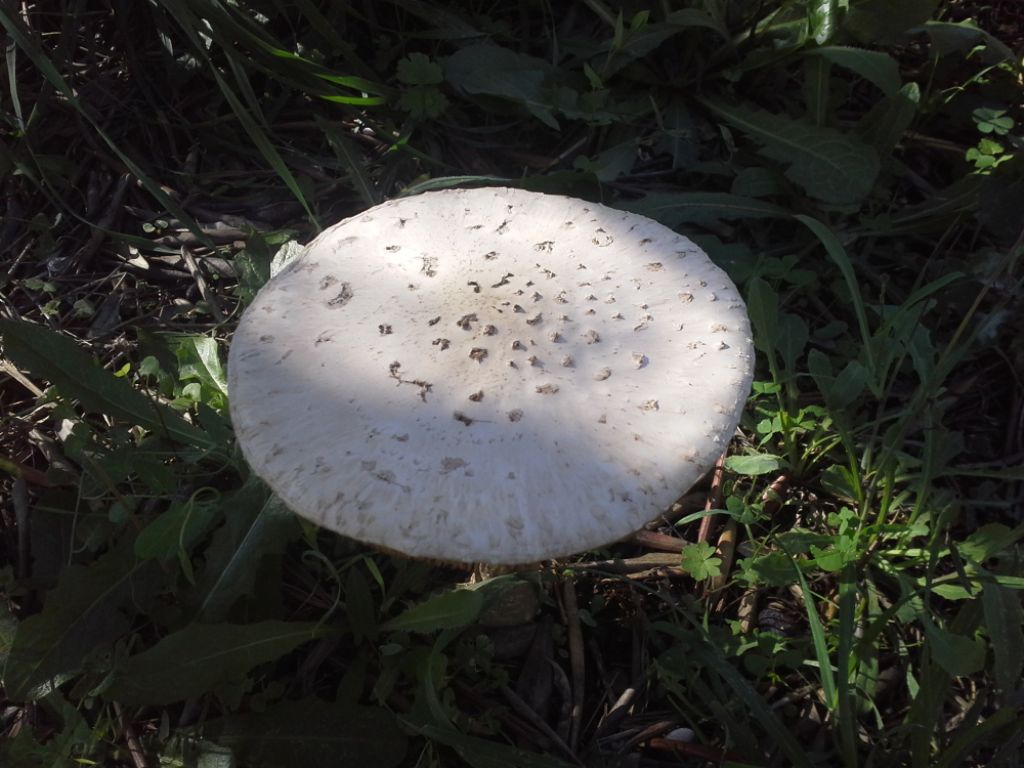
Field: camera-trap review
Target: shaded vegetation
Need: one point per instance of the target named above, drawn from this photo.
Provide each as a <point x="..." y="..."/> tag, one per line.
<point x="844" y="590"/>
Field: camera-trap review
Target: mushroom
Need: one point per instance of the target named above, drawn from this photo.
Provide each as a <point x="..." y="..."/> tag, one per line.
<point x="372" y="434"/>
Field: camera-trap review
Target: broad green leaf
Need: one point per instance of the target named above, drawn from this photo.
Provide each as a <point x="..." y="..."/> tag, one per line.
<point x="675" y="208"/>
<point x="955" y="37"/>
<point x="816" y="88"/>
<point x="1004" y="620"/>
<point x="82" y="613"/>
<point x="257" y="525"/>
<point x="763" y="307"/>
<point x="793" y="336"/>
<point x="990" y="540"/>
<point x="832" y="166"/>
<point x="490" y="70"/>
<point x="839" y="391"/>
<point x="876" y="67"/>
<point x="886" y="122"/>
<point x="823" y="16"/>
<point x="757" y="181"/>
<point x="201" y="657"/>
<point x="60" y="360"/>
<point x="755" y="464"/>
<point x="175" y="531"/>
<point x="956" y="654"/>
<point x="883" y="21"/>
<point x="312" y="733"/>
<point x="450" y="610"/>
<point x="199" y="360"/>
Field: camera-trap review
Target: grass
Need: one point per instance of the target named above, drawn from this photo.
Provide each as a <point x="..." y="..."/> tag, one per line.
<point x="847" y="592"/>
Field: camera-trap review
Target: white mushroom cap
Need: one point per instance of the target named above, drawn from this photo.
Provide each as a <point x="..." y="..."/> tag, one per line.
<point x="490" y="375"/>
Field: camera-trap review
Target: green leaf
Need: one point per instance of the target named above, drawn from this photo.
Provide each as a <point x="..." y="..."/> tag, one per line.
<point x="199" y="360"/>
<point x="886" y="122"/>
<point x="793" y="336"/>
<point x="956" y="654"/>
<point x="82" y="613"/>
<point x="675" y="208"/>
<point x="955" y="37"/>
<point x="200" y="657"/>
<point x="1004" y="620"/>
<point x="699" y="561"/>
<point x="418" y="69"/>
<point x="832" y="166"/>
<point x="176" y="531"/>
<point x="755" y="464"/>
<point x="839" y="391"/>
<point x="490" y="70"/>
<point x="876" y="67"/>
<point x="835" y="249"/>
<point x="61" y="361"/>
<point x="990" y="540"/>
<point x="816" y="88"/>
<point x="422" y="101"/>
<point x="312" y="733"/>
<point x="258" y="525"/>
<point x="883" y="21"/>
<point x="450" y="610"/>
<point x="763" y="307"/>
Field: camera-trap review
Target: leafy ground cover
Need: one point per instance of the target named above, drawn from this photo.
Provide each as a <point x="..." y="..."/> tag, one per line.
<point x="843" y="590"/>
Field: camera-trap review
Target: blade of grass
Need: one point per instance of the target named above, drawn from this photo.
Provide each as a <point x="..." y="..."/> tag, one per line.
<point x="348" y="154"/>
<point x="54" y="77"/>
<point x="835" y="249"/>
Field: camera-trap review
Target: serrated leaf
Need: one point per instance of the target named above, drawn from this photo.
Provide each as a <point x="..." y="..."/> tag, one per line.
<point x="314" y="734"/>
<point x="201" y="657"/>
<point x="876" y="67"/>
<point x="675" y="208"/>
<point x="80" y="614"/>
<point x="60" y="360"/>
<point x="832" y="166"/>
<point x="755" y="464"/>
<point x="257" y="525"/>
<point x="450" y="610"/>
<point x="418" y="69"/>
<point x="700" y="562"/>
